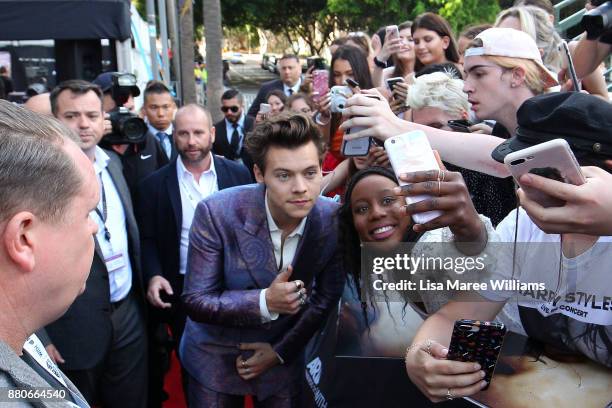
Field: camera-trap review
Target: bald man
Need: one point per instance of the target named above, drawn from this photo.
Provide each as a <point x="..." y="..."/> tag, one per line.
<point x="40" y="104"/>
<point x="166" y="204"/>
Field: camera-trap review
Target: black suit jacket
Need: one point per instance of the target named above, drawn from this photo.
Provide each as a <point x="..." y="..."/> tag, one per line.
<point x="265" y="89"/>
<point x="83" y="335"/>
<point x="160" y="217"/>
<point x="173" y="151"/>
<point x="223" y="148"/>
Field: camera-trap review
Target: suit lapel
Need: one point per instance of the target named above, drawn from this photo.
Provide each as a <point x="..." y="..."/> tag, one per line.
<point x="174" y="195"/>
<point x="223" y="175"/>
<point x="309" y="248"/>
<point x="254" y="242"/>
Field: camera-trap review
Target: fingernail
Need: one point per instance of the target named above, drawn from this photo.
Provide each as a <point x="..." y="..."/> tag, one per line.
<point x="527" y="179"/>
<point x="483" y="384"/>
<point x="397" y="190"/>
<point x="476" y="366"/>
<point x="444" y="351"/>
<point x="482" y="374"/>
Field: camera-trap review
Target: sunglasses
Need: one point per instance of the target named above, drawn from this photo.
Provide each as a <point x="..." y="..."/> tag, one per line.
<point x="234" y="109"/>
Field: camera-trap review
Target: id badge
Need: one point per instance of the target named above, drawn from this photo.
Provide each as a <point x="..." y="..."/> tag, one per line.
<point x="114" y="262"/>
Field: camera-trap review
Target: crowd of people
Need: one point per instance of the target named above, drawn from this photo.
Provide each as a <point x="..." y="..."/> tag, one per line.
<point x="230" y="243"/>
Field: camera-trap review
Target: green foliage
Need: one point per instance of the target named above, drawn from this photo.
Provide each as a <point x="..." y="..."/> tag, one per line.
<point x="462" y="13"/>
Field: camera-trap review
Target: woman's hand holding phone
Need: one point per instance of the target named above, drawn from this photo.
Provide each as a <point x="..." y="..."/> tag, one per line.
<point x="439" y="378"/>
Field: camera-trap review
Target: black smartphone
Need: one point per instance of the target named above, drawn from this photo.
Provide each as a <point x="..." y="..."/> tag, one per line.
<point x="567" y="56"/>
<point x="460" y="125"/>
<point x="479" y="342"/>
<point x="352" y="83"/>
<point x="392" y="81"/>
<point x="319" y="63"/>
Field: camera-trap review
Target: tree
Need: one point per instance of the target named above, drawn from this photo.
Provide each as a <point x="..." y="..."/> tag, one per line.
<point x="214" y="61"/>
<point x="462" y="13"/>
<point x="188" y="90"/>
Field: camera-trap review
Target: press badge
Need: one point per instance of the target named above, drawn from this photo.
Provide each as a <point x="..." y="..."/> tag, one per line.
<point x="114" y="262"/>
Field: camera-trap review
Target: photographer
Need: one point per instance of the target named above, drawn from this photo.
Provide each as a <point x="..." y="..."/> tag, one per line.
<point x="593" y="48"/>
<point x="139" y="158"/>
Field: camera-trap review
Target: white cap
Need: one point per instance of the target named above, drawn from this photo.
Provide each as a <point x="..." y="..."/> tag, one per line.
<point x="508" y="42"/>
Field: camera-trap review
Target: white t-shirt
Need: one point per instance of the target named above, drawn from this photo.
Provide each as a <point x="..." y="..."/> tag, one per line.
<point x="574" y="306"/>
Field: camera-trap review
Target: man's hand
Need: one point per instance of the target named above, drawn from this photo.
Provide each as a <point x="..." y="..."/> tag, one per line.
<point x="284" y="296"/>
<point x="156" y="285"/>
<point x="54" y="354"/>
<point x="108" y="126"/>
<point x="263" y="358"/>
<point x="587" y="209"/>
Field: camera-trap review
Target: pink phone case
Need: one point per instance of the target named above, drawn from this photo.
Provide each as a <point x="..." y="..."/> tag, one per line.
<point x="320" y="82"/>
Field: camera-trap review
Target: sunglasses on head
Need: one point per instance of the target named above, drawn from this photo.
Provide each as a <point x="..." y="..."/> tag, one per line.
<point x="234" y="109"/>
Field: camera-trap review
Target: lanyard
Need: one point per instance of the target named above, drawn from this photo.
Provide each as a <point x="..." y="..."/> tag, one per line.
<point x="36" y="350"/>
<point x="104" y="214"/>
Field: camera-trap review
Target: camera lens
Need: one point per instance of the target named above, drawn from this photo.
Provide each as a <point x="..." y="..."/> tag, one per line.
<point x="134" y="128"/>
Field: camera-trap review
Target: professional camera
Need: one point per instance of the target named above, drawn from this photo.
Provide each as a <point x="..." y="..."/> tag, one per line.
<point x="598" y="21"/>
<point x="127" y="127"/>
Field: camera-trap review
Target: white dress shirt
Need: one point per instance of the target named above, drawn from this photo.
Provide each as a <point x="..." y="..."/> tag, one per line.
<point x="166" y="143"/>
<point x="192" y="192"/>
<point x="119" y="271"/>
<point x="295" y="88"/>
<point x="284" y="252"/>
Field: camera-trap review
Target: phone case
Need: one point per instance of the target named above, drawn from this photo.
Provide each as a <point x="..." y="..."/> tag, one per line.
<point x="553" y="159"/>
<point x="320" y="82"/>
<point x="477" y="341"/>
<point x="392" y="31"/>
<point x="569" y="63"/>
<point x="392" y="81"/>
<point x="356" y="147"/>
<point x="265" y="108"/>
<point x="411" y="152"/>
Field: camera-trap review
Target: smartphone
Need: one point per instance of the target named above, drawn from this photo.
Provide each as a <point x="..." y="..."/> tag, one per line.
<point x="460" y="125"/>
<point x="392" y="81"/>
<point x="320" y="83"/>
<point x="265" y="108"/>
<point x="391" y="32"/>
<point x="319" y="63"/>
<point x="360" y="146"/>
<point x="569" y="63"/>
<point x="411" y="152"/>
<point x="477" y="341"/>
<point x="553" y="159"/>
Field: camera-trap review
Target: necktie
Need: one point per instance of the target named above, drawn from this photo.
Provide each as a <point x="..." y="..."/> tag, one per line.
<point x="290" y="92"/>
<point x="235" y="141"/>
<point x="164" y="140"/>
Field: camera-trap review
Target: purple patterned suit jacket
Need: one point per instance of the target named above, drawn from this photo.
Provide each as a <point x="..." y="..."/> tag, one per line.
<point x="230" y="259"/>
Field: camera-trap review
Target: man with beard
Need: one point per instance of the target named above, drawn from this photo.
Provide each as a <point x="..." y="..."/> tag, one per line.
<point x="231" y="131"/>
<point x="167" y="200"/>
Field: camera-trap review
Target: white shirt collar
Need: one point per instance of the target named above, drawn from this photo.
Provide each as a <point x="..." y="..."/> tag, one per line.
<point x="101" y="160"/>
<point x="240" y="121"/>
<point x="274" y="228"/>
<point x="183" y="173"/>
<point x="295" y="88"/>
<point x="155" y="131"/>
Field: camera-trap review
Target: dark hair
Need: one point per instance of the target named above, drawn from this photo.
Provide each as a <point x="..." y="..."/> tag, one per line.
<point x="279" y="94"/>
<point x="381" y="33"/>
<point x="349" y="242"/>
<point x="436" y="23"/>
<point x="76" y="86"/>
<point x="545" y="5"/>
<point x="290" y="56"/>
<point x="447" y="68"/>
<point x="470" y="32"/>
<point x="361" y="73"/>
<point x="399" y="70"/>
<point x="232" y="93"/>
<point x="287" y="130"/>
<point x="155" y="87"/>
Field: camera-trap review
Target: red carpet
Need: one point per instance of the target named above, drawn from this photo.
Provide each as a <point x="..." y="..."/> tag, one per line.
<point x="174" y="387"/>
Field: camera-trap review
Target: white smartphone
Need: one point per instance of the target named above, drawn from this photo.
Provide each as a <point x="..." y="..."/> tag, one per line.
<point x="265" y="108"/>
<point x="391" y="32"/>
<point x="411" y="152"/>
<point x="569" y="63"/>
<point x="553" y="159"/>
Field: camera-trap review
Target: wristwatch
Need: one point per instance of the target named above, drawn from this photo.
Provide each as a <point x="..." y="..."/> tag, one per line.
<point x="379" y="63"/>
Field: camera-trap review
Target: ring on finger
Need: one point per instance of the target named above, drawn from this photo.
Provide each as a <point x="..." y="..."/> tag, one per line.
<point x="439" y="188"/>
<point x="443" y="173"/>
<point x="244" y="364"/>
<point x="302" y="300"/>
<point x="297" y="286"/>
<point x="248" y="370"/>
<point x="428" y="346"/>
<point x="450" y="395"/>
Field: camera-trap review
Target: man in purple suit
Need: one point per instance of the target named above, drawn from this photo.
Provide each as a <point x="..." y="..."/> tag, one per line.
<point x="262" y="273"/>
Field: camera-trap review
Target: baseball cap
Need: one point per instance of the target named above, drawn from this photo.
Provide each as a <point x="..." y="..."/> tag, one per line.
<point x="508" y="42"/>
<point x="105" y="82"/>
<point x="584" y="121"/>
